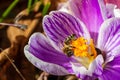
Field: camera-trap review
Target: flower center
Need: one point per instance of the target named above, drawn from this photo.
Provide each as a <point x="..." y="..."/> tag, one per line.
<point x="80" y="48"/>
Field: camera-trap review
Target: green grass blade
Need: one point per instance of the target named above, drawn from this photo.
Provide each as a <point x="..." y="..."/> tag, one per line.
<point x="45" y="9"/>
<point x="7" y="11"/>
<point x="29" y="6"/>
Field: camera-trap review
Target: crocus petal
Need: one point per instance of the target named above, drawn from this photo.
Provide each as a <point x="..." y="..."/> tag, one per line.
<point x="111" y="70"/>
<point x="112" y="10"/>
<point x="109" y="36"/>
<point x="42" y="54"/>
<point x="63" y="7"/>
<point x="117" y="12"/>
<point x="45" y="66"/>
<point x="89" y="12"/>
<point x="95" y="68"/>
<point x="59" y="25"/>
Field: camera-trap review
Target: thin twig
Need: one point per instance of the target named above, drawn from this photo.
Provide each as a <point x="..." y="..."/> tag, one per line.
<point x="21" y="26"/>
<point x="15" y="67"/>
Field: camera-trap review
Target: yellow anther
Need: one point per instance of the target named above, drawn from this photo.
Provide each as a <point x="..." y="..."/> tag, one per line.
<point x="82" y="49"/>
<point x="92" y="48"/>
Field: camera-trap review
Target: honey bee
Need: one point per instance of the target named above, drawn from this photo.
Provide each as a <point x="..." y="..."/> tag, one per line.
<point x="69" y="39"/>
<point x="68" y="48"/>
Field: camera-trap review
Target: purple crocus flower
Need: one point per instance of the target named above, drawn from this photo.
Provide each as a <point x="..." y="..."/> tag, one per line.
<point x="86" y="44"/>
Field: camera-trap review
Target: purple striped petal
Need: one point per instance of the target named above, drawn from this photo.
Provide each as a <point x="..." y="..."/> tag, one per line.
<point x="112" y="70"/>
<point x="59" y="25"/>
<point x="109" y="36"/>
<point x="89" y="11"/>
<point x="51" y="68"/>
<point x="40" y="49"/>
